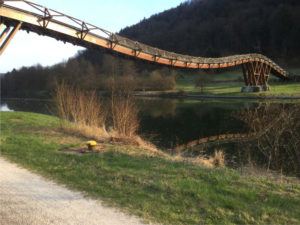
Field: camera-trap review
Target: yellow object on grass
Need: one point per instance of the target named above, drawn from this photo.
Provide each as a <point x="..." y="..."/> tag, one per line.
<point x="92" y="143"/>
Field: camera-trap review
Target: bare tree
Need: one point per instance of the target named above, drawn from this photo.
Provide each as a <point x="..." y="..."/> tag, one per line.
<point x="276" y="134"/>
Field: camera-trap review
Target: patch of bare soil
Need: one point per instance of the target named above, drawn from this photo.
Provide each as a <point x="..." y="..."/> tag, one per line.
<point x="16" y="120"/>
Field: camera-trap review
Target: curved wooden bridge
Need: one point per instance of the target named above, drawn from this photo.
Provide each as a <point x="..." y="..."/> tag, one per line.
<point x="220" y="139"/>
<point x="25" y="15"/>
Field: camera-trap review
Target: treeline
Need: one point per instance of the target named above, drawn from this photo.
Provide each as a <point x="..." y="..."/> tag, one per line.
<point x="88" y="70"/>
<point x="214" y="28"/>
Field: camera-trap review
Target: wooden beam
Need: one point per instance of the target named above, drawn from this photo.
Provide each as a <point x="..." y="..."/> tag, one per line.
<point x="9" y="38"/>
<point x="1" y="26"/>
<point x="4" y="34"/>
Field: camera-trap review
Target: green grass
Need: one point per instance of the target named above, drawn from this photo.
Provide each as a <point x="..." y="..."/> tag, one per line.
<point x="229" y="87"/>
<point x="147" y="185"/>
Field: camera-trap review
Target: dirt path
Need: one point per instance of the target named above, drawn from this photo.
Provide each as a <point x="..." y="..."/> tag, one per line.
<point x="26" y="198"/>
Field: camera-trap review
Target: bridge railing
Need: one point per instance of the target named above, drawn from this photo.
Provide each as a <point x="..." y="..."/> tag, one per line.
<point x="47" y="14"/>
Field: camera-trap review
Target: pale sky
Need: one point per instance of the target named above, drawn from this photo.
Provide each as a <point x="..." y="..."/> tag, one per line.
<point x="112" y="15"/>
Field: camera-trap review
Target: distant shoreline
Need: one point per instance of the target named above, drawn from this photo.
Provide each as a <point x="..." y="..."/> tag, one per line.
<point x="193" y="96"/>
<point x="175" y="95"/>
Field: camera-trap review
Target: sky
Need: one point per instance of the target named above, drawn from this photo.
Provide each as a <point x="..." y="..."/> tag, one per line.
<point x="113" y="15"/>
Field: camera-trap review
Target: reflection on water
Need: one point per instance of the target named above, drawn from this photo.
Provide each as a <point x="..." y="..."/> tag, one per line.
<point x="170" y="122"/>
<point x="174" y="122"/>
<point x="24" y="105"/>
<point x="4" y="108"/>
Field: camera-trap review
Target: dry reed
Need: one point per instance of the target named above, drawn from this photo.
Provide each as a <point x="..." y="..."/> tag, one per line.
<point x="82" y="108"/>
<point x="218" y="159"/>
<point x="124" y="116"/>
<point x="124" y="111"/>
<point x="88" y="116"/>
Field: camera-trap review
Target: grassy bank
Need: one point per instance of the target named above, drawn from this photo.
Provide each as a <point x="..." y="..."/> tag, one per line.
<point x="227" y="84"/>
<point x="149" y="185"/>
<point x="234" y="89"/>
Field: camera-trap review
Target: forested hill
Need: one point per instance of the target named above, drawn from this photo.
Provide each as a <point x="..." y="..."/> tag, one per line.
<point x="214" y="28"/>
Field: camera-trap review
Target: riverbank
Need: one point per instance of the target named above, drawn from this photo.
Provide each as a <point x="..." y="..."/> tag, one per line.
<point x="148" y="184"/>
<point x="214" y="89"/>
<point x="233" y="89"/>
<point x="183" y="95"/>
<point x="226" y="89"/>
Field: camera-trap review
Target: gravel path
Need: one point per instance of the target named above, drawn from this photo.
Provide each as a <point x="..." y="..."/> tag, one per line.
<point x="26" y="198"/>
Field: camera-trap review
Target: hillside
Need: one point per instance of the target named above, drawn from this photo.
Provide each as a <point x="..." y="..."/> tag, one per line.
<point x="214" y="28"/>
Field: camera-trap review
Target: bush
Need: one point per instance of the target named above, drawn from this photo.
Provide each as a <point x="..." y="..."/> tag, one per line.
<point x="276" y="135"/>
<point x="82" y="108"/>
<point x="124" y="116"/>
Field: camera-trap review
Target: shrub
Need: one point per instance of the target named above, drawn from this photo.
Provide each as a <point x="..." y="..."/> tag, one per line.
<point x="125" y="116"/>
<point x="81" y="107"/>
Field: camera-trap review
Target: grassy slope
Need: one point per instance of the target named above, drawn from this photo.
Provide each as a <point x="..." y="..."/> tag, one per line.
<point x="229" y="88"/>
<point x="150" y="186"/>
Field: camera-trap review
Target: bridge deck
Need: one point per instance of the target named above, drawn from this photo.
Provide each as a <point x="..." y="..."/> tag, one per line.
<point x="48" y="22"/>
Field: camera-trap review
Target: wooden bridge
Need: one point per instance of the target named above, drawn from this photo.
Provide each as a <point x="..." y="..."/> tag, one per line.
<point x="25" y="15"/>
<point x="219" y="139"/>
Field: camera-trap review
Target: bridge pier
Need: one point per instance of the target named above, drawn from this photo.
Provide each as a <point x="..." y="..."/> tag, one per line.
<point x="258" y="88"/>
<point x="256" y="76"/>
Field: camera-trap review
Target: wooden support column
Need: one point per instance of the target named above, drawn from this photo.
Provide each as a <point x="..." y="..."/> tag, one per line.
<point x="256" y="76"/>
<point x="251" y="71"/>
<point x="9" y="38"/>
<point x="266" y="74"/>
<point x="4" y="34"/>
<point x="246" y="74"/>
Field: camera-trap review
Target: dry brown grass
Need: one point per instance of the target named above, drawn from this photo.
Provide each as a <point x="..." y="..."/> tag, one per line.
<point x="17" y="120"/>
<point x="88" y="115"/>
<point x="201" y="161"/>
<point x="95" y="133"/>
<point x="217" y="160"/>
<point x="124" y="111"/>
<point x="124" y="116"/>
<point x="82" y="108"/>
